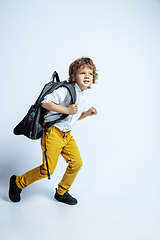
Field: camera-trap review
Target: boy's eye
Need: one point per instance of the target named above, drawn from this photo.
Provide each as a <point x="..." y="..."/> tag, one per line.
<point x="84" y="73"/>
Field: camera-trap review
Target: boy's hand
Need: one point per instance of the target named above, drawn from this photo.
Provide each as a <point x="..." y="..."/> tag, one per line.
<point x="91" y="111"/>
<point x="72" y="109"/>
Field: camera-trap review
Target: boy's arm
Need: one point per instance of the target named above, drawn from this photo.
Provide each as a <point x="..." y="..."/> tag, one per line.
<point x="90" y="112"/>
<point x="72" y="109"/>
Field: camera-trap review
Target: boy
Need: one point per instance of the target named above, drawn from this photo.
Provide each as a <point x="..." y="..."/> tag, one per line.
<point x="82" y="73"/>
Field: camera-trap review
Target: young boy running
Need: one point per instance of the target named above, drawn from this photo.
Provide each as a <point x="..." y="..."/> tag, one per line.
<point x="82" y="74"/>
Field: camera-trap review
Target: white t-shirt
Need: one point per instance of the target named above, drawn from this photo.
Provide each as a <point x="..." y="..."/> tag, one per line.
<point x="62" y="97"/>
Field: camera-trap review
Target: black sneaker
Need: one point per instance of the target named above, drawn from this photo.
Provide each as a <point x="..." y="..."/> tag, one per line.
<point x="65" y="198"/>
<point x="14" y="191"/>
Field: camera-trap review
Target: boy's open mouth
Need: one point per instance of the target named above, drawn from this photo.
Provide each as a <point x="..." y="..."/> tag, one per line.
<point x="86" y="81"/>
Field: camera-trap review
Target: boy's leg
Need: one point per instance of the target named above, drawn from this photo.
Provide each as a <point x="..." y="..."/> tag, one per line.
<point x="29" y="177"/>
<point x="54" y="145"/>
<point x="72" y="156"/>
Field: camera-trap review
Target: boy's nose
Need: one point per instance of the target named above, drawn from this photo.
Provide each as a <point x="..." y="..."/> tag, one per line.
<point x="86" y="76"/>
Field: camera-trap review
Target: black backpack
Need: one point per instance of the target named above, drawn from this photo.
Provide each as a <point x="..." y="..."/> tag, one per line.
<point x="32" y="124"/>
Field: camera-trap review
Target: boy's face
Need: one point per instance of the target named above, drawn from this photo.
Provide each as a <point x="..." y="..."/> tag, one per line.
<point x="84" y="77"/>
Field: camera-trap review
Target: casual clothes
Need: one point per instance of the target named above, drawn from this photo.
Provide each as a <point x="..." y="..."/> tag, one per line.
<point x="59" y="141"/>
<point x="62" y="97"/>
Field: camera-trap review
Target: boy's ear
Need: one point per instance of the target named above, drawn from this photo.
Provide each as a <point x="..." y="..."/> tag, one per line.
<point x="73" y="79"/>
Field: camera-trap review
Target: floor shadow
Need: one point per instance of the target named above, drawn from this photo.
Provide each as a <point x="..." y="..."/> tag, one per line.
<point x="12" y="167"/>
<point x="6" y="171"/>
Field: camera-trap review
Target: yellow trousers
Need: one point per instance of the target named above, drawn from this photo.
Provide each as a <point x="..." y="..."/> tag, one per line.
<point x="57" y="142"/>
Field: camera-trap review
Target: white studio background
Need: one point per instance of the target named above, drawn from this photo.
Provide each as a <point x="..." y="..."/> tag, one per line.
<point x="118" y="187"/>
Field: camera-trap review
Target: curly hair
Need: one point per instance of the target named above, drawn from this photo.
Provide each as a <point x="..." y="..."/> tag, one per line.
<point x="74" y="66"/>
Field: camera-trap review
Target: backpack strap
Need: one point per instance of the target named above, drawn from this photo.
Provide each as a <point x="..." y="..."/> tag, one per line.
<point x="72" y="92"/>
<point x="45" y="130"/>
<point x="46" y="154"/>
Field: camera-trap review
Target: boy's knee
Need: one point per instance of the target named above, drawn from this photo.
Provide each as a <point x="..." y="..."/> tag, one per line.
<point x="78" y="163"/>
